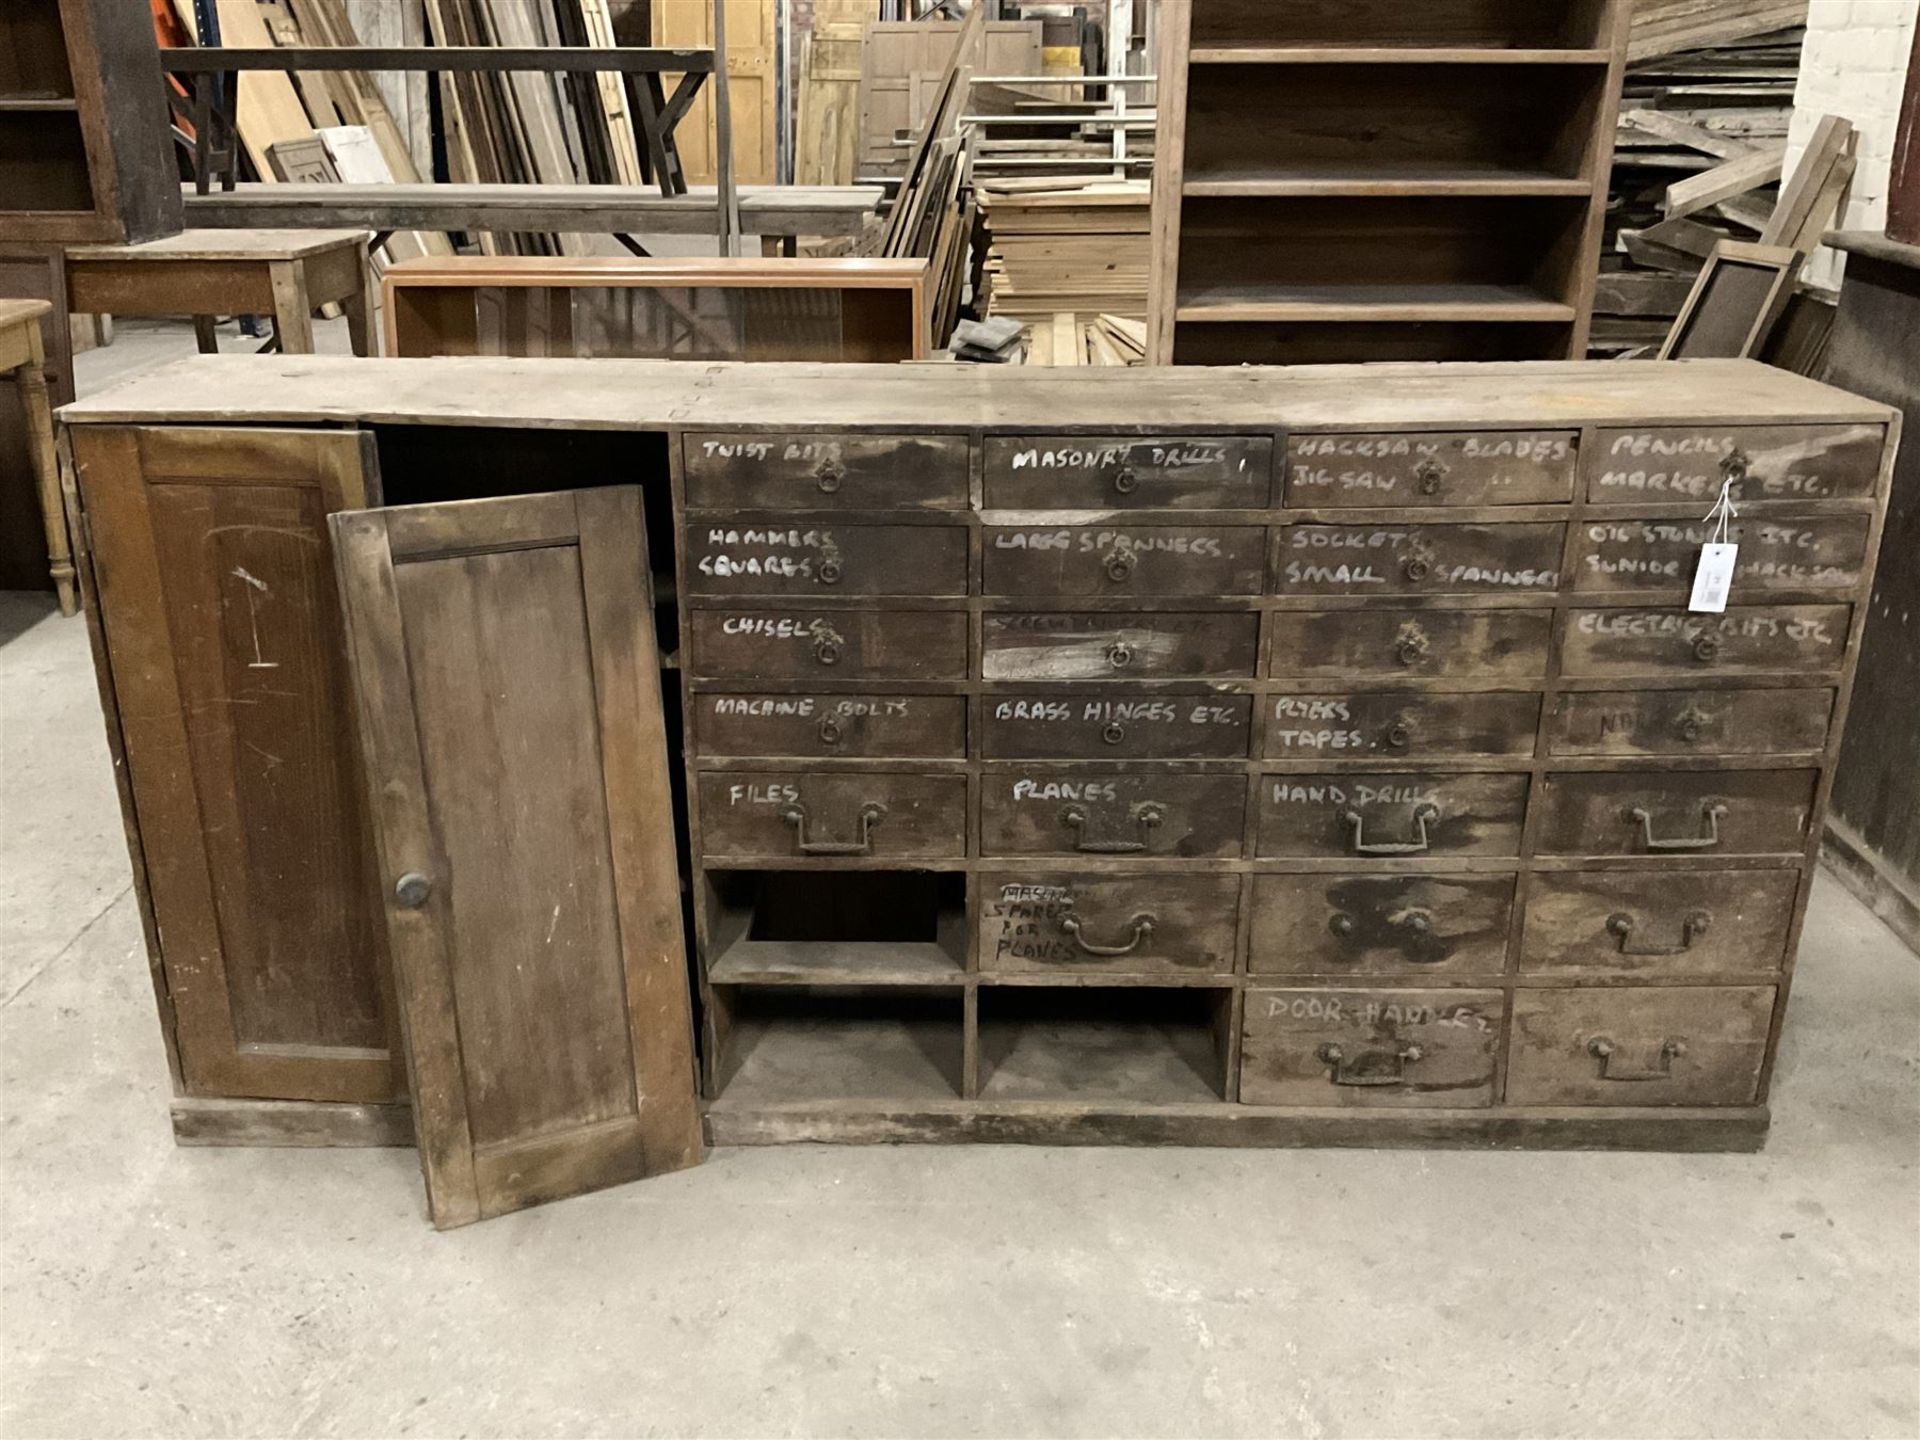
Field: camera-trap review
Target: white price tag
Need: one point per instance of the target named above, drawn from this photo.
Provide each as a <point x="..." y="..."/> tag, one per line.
<point x="1713" y="579"/>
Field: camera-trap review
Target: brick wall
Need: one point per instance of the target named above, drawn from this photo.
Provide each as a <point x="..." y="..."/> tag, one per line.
<point x="1855" y="65"/>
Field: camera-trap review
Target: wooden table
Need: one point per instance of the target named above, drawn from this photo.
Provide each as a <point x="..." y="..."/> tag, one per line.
<point x="23" y="353"/>
<point x="207" y="273"/>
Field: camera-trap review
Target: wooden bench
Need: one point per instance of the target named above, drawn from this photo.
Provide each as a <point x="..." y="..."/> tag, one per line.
<point x="23" y="353"/>
<point x="208" y="273"/>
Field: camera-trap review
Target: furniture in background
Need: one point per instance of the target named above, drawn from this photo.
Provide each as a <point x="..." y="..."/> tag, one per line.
<point x="1355" y="773"/>
<point x="23" y="355"/>
<point x="1380" y="181"/>
<point x="730" y="308"/>
<point x="287" y="274"/>
<point x="1873" y="832"/>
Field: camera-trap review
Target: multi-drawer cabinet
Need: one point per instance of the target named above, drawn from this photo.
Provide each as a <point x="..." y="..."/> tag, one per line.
<point x="1241" y="756"/>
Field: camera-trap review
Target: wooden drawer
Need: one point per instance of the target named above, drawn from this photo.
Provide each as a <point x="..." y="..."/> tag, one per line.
<point x="1823" y="552"/>
<point x="1493" y="467"/>
<point x="1120" y="472"/>
<point x="1417" y="559"/>
<point x="1405" y="724"/>
<point x="1369" y="816"/>
<point x="1370" y="1047"/>
<point x="762" y="645"/>
<point x="1380" y="924"/>
<point x="1057" y="645"/>
<point x="1416" y="644"/>
<point x="895" y="726"/>
<point x="1691" y="722"/>
<point x="826" y="472"/>
<point x="1097" y="560"/>
<point x="1768" y="462"/>
<point x="1148" y="924"/>
<point x="779" y="814"/>
<point x="1666" y="1045"/>
<point x="1676" y="812"/>
<point x="835" y="559"/>
<point x="1657" y="922"/>
<point x="1747" y="640"/>
<point x="1073" y="810"/>
<point x="1120" y="726"/>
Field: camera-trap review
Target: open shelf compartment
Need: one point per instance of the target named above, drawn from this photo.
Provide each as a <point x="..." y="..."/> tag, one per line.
<point x="786" y="1045"/>
<point x="1399" y="24"/>
<point x="1105" y="1044"/>
<point x="860" y="927"/>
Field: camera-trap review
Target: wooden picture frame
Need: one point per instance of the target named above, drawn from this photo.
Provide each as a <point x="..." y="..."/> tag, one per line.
<point x="1736" y="301"/>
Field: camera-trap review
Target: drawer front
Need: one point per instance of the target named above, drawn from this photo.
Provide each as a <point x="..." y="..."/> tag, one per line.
<point x="1370" y="1047"/>
<point x="1120" y="472"/>
<point x="1677" y="812"/>
<point x="757" y="645"/>
<point x="1118" y="726"/>
<point x="1096" y="560"/>
<point x="1391" y="816"/>
<point x="1747" y="640"/>
<point x="1417" y="559"/>
<point x="828" y="559"/>
<point x="894" y="726"/>
<point x="1414" y="644"/>
<point x="1050" y="645"/>
<point x="1667" y="1045"/>
<point x="1494" y="467"/>
<point x="1657" y="922"/>
<point x="1380" y="924"/>
<point x="826" y="472"/>
<point x="1062" y="923"/>
<point x="1825" y="552"/>
<point x="769" y="815"/>
<point x="1691" y="722"/>
<point x="1069" y="811"/>
<point x="1390" y="724"/>
<point x="1766" y="462"/>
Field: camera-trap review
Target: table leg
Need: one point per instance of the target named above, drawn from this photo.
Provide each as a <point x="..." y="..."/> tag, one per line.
<point x="292" y="309"/>
<point x="362" y="322"/>
<point x="32" y="379"/>
<point x="205" y="335"/>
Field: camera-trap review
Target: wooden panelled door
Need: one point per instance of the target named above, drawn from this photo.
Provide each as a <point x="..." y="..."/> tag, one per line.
<point x="222" y="634"/>
<point x="752" y="42"/>
<point x="508" y="687"/>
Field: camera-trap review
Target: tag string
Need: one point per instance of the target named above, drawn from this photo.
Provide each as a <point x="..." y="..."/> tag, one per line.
<point x="1724" y="510"/>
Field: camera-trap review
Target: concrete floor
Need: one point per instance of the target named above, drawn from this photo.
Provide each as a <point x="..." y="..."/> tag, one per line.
<point x="150" y="1291"/>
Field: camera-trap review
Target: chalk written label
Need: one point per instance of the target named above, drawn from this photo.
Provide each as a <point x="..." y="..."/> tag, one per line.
<point x="1171" y="456"/>
<point x="1350" y="1010"/>
<point x="1088" y="542"/>
<point x="1713" y="579"/>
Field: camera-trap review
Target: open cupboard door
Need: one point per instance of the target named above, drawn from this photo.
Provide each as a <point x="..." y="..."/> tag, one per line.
<point x="515" y="750"/>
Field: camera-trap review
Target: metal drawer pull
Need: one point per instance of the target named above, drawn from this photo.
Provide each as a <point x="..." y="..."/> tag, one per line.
<point x="829" y="475"/>
<point x="1691" y="929"/>
<point x="1604" y="1050"/>
<point x="1114" y="733"/>
<point x="1734" y="465"/>
<point x="411" y="890"/>
<point x="1119" y="565"/>
<point x="1709" y="836"/>
<point x="1420" y="922"/>
<point x="1144" y="816"/>
<point x="1399" y="732"/>
<point x="830" y="572"/>
<point x="830" y="731"/>
<point x="1706" y="648"/>
<point x="871" y="814"/>
<point x="1417" y="568"/>
<point x="1370" y="1067"/>
<point x="1125" y="482"/>
<point x="1412" y="646"/>
<point x="1119" y="655"/>
<point x="1142" y="932"/>
<point x="1692" y="724"/>
<point x="1422" y="814"/>
<point x="1430" y="473"/>
<point x="826" y="651"/>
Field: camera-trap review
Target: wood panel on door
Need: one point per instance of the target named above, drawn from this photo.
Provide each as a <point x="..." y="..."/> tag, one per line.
<point x="751" y="31"/>
<point x="222" y="630"/>
<point x="509" y="701"/>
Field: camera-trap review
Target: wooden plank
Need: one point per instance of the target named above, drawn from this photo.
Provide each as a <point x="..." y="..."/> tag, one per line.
<point x="1723" y="182"/>
<point x="1809" y="199"/>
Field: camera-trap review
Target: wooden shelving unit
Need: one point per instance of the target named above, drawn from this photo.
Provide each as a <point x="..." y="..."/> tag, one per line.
<point x="1376" y="181"/>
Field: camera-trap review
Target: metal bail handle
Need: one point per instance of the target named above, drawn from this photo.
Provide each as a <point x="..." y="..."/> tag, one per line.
<point x="1145" y="817"/>
<point x="1620" y="925"/>
<point x="1422" y="816"/>
<point x="1604" y="1049"/>
<point x="1709" y="835"/>
<point x="1142" y="928"/>
<point x="1369" y="1067"/>
<point x="871" y="814"/>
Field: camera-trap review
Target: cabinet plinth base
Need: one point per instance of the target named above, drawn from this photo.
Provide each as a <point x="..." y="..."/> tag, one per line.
<point x="303" y="1124"/>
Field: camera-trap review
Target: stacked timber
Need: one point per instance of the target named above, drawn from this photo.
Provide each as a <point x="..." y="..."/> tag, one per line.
<point x="1083" y="249"/>
<point x="1067" y="339"/>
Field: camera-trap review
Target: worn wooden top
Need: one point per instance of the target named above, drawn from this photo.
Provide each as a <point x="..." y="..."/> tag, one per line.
<point x="654" y="394"/>
<point x="20" y="312"/>
<point x="226" y="245"/>
<point x="1876" y="245"/>
<point x="739" y="271"/>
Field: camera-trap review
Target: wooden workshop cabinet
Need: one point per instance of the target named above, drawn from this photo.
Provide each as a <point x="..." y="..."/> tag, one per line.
<point x="1220" y="757"/>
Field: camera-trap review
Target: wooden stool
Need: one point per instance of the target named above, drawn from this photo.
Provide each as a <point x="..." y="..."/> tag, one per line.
<point x="207" y="273"/>
<point x="23" y="352"/>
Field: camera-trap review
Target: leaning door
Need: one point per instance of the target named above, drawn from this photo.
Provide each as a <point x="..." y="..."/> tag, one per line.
<point x="508" y="694"/>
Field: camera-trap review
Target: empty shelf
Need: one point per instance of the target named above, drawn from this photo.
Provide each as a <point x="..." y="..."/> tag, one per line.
<point x="1490" y="303"/>
<point x="1440" y="178"/>
<point x="807" y="962"/>
<point x="39" y="105"/>
<point x="1389" y="55"/>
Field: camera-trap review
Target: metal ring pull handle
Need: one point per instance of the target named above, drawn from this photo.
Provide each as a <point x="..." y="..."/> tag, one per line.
<point x="829" y="475"/>
<point x="1692" y="928"/>
<point x="1692" y="724"/>
<point x="826" y="651"/>
<point x="1144" y="816"/>
<point x="831" y="732"/>
<point x="1706" y="648"/>
<point x="1417" y="566"/>
<point x="1412" y="646"/>
<point x="1603" y="1049"/>
<point x="1430" y="473"/>
<point x="1709" y="835"/>
<point x="1370" y="1067"/>
<point x="1416" y="922"/>
<point x="1119" y="655"/>
<point x="1119" y="565"/>
<point x="1142" y="932"/>
<point x="1125" y="480"/>
<point x="1735" y="464"/>
<point x="871" y="814"/>
<point x="830" y="571"/>
<point x="1398" y="734"/>
<point x="1422" y="816"/>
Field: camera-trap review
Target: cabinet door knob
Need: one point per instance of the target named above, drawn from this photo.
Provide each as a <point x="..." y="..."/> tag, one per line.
<point x="412" y="890"/>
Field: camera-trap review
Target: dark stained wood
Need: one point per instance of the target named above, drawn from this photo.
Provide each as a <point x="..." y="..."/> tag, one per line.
<point x="1077" y="560"/>
<point x="1747" y="640"/>
<point x="1077" y="810"/>
<point x="770" y="815"/>
<point x="1370" y="1047"/>
<point x="1067" y="923"/>
<point x="827" y="472"/>
<point x="1765" y="462"/>
<point x="1417" y="559"/>
<point x="1064" y="645"/>
<point x="1684" y="812"/>
<point x="1666" y="1046"/>
<point x="1691" y="722"/>
<point x="516" y="756"/>
<point x="1491" y="468"/>
<point x="1400" y="724"/>
<point x="1495" y="645"/>
<point x="1657" y="923"/>
<point x="751" y="645"/>
<point x="1115" y="472"/>
<point x="1380" y="924"/>
<point x="1117" y="724"/>
<point x="1361" y="816"/>
<point x="813" y="558"/>
<point x="1777" y="552"/>
<point x="815" y="725"/>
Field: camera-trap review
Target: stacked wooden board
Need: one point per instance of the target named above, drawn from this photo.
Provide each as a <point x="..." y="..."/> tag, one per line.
<point x="1084" y="249"/>
<point x="1100" y="340"/>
